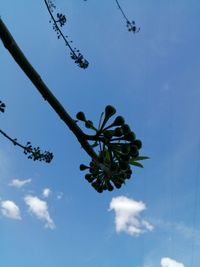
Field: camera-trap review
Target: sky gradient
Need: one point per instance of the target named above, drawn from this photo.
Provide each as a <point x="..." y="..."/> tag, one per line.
<point x="49" y="214"/>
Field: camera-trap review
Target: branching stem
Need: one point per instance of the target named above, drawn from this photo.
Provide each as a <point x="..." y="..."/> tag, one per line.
<point x="35" y="78"/>
<point x="58" y="28"/>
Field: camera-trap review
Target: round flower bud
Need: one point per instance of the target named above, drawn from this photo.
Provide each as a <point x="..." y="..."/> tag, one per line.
<point x="89" y="178"/>
<point x="126" y="129"/>
<point x="130" y="136"/>
<point x="118" y="132"/>
<point x="117" y="184"/>
<point x="134" y="151"/>
<point x="138" y="143"/>
<point x="110" y="187"/>
<point x="119" y="120"/>
<point x="128" y="176"/>
<point x="99" y="189"/>
<point x="109" y="111"/>
<point x="80" y="116"/>
<point x="83" y="167"/>
<point x="88" y="124"/>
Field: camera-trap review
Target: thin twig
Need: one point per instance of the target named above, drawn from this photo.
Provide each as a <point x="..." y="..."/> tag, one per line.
<point x="35" y="78"/>
<point x="14" y="141"/>
<point x="121" y="10"/>
<point x="58" y="28"/>
<point x="75" y="54"/>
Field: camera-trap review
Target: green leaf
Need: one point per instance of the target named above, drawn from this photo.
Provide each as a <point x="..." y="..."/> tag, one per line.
<point x="140" y="158"/>
<point x="135" y="163"/>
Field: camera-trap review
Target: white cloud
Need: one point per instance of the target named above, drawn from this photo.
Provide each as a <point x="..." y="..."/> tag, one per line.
<point x="167" y="262"/>
<point x="19" y="183"/>
<point x="10" y="209"/>
<point x="39" y="208"/>
<point x="127" y="216"/>
<point x="46" y="192"/>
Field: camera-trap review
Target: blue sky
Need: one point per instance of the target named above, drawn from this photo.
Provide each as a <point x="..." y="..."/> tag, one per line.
<point x="152" y="78"/>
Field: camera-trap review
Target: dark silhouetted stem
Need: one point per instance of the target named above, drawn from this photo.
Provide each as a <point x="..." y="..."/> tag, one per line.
<point x="14" y="141"/>
<point x="58" y="28"/>
<point x="35" y="78"/>
<point x="121" y="10"/>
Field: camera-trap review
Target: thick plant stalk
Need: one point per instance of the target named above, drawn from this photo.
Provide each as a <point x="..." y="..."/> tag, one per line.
<point x="35" y="78"/>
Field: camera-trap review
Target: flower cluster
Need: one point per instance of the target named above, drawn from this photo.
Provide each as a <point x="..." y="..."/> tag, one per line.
<point x="51" y="5"/>
<point x="59" y="21"/>
<point x="2" y="106"/>
<point x="79" y="60"/>
<point x="36" y="154"/>
<point x="118" y="148"/>
<point x="132" y="27"/>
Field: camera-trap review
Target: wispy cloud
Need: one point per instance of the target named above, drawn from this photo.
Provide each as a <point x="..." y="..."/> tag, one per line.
<point x="10" y="210"/>
<point x="179" y="228"/>
<point x="167" y="262"/>
<point x="127" y="216"/>
<point x="46" y="192"/>
<point x="19" y="183"/>
<point x="39" y="208"/>
<point x="59" y="195"/>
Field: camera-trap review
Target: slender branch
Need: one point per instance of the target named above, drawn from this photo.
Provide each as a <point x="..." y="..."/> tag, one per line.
<point x="129" y="24"/>
<point x="58" y="28"/>
<point x="32" y="152"/>
<point x="121" y="10"/>
<point x="77" y="57"/>
<point x="35" y="78"/>
<point x="14" y="141"/>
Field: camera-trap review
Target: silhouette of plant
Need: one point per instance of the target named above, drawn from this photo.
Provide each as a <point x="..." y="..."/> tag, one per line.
<point x="2" y="106"/>
<point x="32" y="152"/>
<point x="58" y="22"/>
<point x="116" y="144"/>
<point x="131" y="26"/>
<point x="118" y="149"/>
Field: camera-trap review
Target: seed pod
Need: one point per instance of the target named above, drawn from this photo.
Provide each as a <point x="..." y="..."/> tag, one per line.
<point x="92" y="164"/>
<point x="119" y="120"/>
<point x="129" y="172"/>
<point x="128" y="176"/>
<point x="89" y="124"/>
<point x="118" y="132"/>
<point x="89" y="178"/>
<point x="126" y="129"/>
<point x="134" y="151"/>
<point x="130" y="136"/>
<point x="138" y="143"/>
<point x="83" y="167"/>
<point x="99" y="189"/>
<point x="80" y="116"/>
<point x="110" y="187"/>
<point x="117" y="184"/>
<point x="109" y="111"/>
